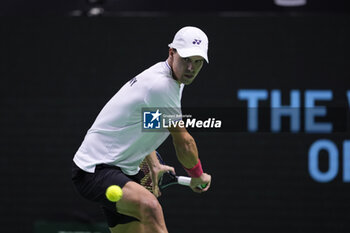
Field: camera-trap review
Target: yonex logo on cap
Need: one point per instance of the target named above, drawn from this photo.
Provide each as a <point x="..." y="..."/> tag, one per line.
<point x="198" y="42"/>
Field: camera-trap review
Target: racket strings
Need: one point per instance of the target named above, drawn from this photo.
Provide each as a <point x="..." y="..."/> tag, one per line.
<point x="164" y="181"/>
<point x="146" y="181"/>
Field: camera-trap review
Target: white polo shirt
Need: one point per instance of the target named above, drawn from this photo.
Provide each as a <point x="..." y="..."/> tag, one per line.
<point x="116" y="137"/>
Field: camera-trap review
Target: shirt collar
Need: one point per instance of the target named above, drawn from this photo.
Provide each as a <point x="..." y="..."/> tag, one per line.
<point x="167" y="65"/>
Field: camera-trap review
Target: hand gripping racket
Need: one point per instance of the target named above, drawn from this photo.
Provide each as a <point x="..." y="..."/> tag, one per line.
<point x="166" y="180"/>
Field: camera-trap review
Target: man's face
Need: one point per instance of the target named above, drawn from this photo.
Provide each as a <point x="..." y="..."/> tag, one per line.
<point x="185" y="69"/>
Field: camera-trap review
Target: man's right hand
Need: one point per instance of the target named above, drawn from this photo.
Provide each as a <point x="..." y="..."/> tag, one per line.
<point x="203" y="180"/>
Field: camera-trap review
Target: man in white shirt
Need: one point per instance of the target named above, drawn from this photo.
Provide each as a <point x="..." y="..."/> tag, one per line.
<point x="115" y="145"/>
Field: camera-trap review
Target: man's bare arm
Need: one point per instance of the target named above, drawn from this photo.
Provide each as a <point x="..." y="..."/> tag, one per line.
<point x="187" y="154"/>
<point x="157" y="169"/>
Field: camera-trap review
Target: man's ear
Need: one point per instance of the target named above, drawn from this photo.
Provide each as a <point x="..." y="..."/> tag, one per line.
<point x="171" y="55"/>
<point x="171" y="52"/>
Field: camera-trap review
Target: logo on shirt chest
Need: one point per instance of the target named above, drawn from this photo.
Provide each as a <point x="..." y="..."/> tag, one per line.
<point x="132" y="81"/>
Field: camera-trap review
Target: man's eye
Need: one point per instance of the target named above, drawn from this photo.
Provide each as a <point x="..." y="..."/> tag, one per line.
<point x="186" y="59"/>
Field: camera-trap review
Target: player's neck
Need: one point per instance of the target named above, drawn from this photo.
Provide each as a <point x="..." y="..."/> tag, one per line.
<point x="172" y="72"/>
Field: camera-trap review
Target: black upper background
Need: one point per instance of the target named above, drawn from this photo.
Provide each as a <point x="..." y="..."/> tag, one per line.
<point x="115" y="7"/>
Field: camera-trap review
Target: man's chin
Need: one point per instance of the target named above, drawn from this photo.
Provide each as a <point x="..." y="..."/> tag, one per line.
<point x="187" y="81"/>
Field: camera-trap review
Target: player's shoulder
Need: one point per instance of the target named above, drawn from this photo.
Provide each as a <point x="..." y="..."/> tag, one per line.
<point x="157" y="78"/>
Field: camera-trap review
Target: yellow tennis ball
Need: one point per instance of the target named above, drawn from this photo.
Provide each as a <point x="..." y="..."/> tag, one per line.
<point x="114" y="193"/>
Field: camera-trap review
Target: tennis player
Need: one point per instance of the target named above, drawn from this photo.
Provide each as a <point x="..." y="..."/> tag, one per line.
<point x="115" y="145"/>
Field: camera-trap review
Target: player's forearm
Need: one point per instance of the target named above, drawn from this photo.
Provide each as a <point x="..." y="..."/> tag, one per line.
<point x="186" y="151"/>
<point x="152" y="160"/>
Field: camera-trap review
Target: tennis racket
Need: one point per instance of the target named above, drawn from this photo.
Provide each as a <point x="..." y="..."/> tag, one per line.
<point x="166" y="180"/>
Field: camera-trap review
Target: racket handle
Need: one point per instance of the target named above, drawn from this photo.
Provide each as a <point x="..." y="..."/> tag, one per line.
<point x="183" y="180"/>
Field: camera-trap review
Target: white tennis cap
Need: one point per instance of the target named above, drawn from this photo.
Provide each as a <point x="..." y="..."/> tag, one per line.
<point x="191" y="41"/>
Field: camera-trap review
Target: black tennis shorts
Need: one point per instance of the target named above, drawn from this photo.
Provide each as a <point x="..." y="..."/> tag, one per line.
<point x="92" y="186"/>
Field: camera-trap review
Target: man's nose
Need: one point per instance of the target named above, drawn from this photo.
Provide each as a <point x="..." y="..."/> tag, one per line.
<point x="190" y="66"/>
